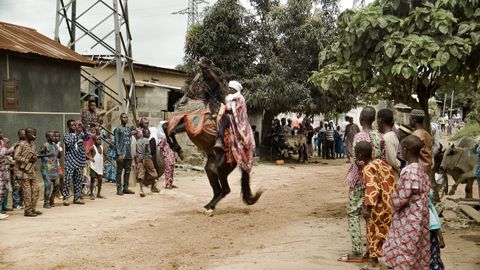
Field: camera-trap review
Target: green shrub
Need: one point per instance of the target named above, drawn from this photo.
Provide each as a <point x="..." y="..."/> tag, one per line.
<point x="470" y="130"/>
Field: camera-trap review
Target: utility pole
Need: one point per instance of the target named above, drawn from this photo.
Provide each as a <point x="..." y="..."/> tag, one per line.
<point x="110" y="46"/>
<point x="358" y="4"/>
<point x="444" y="105"/>
<point x="451" y="104"/>
<point x="191" y="11"/>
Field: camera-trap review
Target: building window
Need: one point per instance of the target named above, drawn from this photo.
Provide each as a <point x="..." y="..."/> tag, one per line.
<point x="173" y="97"/>
<point x="96" y="91"/>
<point x="10" y="95"/>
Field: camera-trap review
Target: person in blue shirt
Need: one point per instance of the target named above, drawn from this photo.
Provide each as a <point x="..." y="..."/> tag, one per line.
<point x="476" y="150"/>
<point x="123" y="149"/>
<point x="436" y="237"/>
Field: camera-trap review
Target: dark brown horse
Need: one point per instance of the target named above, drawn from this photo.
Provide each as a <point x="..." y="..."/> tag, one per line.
<point x="203" y="95"/>
<point x="217" y="167"/>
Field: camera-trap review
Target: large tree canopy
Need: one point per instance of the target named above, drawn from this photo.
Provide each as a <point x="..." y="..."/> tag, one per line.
<point x="395" y="48"/>
<point x="224" y="36"/>
<point x="272" y="50"/>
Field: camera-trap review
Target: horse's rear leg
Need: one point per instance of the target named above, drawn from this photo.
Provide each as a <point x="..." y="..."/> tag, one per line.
<point x="223" y="170"/>
<point x="211" y="171"/>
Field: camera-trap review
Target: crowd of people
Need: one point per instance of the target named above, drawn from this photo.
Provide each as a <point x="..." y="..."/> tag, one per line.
<point x="330" y="141"/>
<point x="81" y="161"/>
<point x="390" y="187"/>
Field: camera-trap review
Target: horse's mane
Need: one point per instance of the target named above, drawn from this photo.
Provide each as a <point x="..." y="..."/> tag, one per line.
<point x="207" y="82"/>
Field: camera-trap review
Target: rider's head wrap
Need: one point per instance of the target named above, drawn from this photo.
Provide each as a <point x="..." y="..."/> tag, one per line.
<point x="235" y="85"/>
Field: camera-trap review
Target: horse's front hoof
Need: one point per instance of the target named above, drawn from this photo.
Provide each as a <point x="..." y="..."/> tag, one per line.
<point x="208" y="212"/>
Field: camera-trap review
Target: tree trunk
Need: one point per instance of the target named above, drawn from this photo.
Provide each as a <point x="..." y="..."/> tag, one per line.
<point x="266" y="130"/>
<point x="423" y="95"/>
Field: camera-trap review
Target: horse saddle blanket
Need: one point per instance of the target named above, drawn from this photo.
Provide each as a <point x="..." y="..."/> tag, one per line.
<point x="197" y="117"/>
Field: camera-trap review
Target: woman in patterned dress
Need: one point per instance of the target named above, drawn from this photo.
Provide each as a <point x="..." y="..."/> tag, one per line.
<point x="407" y="246"/>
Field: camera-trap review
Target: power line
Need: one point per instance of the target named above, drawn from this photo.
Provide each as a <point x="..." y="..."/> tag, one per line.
<point x="358" y="4"/>
<point x="191" y="11"/>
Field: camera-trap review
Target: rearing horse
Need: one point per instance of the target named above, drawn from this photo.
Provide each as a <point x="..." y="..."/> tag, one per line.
<point x="197" y="115"/>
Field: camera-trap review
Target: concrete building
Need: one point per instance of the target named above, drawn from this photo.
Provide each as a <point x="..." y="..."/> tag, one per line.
<point x="157" y="89"/>
<point x="39" y="80"/>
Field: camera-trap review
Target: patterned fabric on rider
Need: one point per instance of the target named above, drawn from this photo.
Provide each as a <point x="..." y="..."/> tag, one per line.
<point x="241" y="135"/>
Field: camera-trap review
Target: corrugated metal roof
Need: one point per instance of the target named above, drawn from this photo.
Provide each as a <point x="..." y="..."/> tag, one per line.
<point x="27" y="40"/>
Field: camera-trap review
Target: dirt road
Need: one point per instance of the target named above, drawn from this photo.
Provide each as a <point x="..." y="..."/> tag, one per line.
<point x="299" y="223"/>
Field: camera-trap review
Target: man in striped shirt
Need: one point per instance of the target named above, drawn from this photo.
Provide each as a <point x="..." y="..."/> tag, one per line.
<point x="330" y="134"/>
<point x="75" y="160"/>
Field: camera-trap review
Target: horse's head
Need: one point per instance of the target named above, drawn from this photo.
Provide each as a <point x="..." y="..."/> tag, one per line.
<point x="437" y="159"/>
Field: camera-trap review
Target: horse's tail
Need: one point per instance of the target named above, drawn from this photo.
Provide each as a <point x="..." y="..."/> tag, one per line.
<point x="247" y="196"/>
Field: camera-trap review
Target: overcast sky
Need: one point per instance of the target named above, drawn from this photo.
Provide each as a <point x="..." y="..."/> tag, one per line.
<point x="158" y="35"/>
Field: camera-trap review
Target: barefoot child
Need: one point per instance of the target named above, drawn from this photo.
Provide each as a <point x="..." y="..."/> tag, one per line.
<point x="51" y="179"/>
<point x="407" y="245"/>
<point x="96" y="156"/>
<point x="147" y="174"/>
<point x="379" y="185"/>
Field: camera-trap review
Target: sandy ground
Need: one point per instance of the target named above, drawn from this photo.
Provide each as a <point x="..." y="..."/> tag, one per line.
<point x="299" y="223"/>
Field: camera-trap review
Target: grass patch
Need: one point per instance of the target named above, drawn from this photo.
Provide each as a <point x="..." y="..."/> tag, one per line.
<point x="470" y="130"/>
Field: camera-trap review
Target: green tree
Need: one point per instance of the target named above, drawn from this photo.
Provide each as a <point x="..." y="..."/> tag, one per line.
<point x="466" y="97"/>
<point x="272" y="51"/>
<point x="393" y="49"/>
<point x="224" y="36"/>
<point x="288" y="39"/>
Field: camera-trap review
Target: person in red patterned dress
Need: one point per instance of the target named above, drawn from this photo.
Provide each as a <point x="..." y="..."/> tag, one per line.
<point x="379" y="185"/>
<point x="407" y="246"/>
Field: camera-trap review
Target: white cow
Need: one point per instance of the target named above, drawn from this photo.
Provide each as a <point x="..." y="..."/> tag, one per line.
<point x="461" y="163"/>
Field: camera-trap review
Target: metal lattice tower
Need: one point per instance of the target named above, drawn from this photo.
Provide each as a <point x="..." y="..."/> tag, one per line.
<point x="191" y="11"/>
<point x="105" y="34"/>
<point x="358" y="4"/>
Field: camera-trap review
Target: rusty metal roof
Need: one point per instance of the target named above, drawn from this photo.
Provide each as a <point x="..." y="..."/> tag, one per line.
<point x="28" y="41"/>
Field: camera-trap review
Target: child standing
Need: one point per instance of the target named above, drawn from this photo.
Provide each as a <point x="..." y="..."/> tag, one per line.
<point x="147" y="173"/>
<point x="17" y="189"/>
<point x="96" y="155"/>
<point x="4" y="151"/>
<point x="339" y="150"/>
<point x="24" y="169"/>
<point x="379" y="183"/>
<point x="111" y="164"/>
<point x="51" y="180"/>
<point x="56" y="141"/>
<point x="436" y="237"/>
<point x="407" y="245"/>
